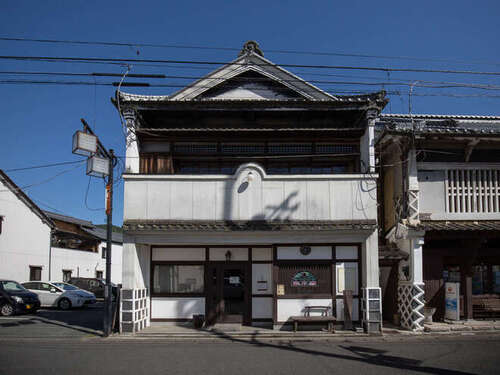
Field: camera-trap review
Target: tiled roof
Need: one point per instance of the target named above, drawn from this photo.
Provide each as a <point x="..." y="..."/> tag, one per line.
<point x="452" y="125"/>
<point x="68" y="219"/>
<point x="102" y="234"/>
<point x="424" y="116"/>
<point x="255" y="225"/>
<point x="459" y="225"/>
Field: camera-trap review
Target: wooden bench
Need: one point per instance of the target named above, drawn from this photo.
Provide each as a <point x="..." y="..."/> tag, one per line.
<point x="307" y="318"/>
<point x="486" y="306"/>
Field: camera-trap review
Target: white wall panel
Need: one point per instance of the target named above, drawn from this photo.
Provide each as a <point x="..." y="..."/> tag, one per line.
<point x="262" y="308"/>
<point x="261" y="253"/>
<point x="262" y="275"/>
<point x="181" y="254"/>
<point x="293" y="252"/>
<point x="176" y="308"/>
<point x="340" y="309"/>
<point x="346" y="252"/>
<point x="295" y="307"/>
<point x="237" y="253"/>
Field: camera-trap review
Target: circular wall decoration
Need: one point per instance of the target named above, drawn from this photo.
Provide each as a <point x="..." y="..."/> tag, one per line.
<point x="305" y="250"/>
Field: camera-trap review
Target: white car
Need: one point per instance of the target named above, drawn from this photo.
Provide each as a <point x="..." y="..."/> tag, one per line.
<point x="89" y="297"/>
<point x="52" y="295"/>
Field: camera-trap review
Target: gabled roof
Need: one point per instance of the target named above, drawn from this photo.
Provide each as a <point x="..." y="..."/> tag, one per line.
<point x="251" y="77"/>
<point x="17" y="191"/>
<point x="251" y="59"/>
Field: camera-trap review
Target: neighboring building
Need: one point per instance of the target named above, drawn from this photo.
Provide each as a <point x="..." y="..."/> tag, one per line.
<point x="440" y="186"/>
<point x="24" y="235"/>
<point x="41" y="245"/>
<point x="79" y="250"/>
<point x="249" y="195"/>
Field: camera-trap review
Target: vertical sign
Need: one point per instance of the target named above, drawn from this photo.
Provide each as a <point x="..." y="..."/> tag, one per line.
<point x="452" y="301"/>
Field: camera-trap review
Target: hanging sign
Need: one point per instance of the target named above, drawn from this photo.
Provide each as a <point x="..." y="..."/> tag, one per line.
<point x="304" y="278"/>
<point x="452" y="301"/>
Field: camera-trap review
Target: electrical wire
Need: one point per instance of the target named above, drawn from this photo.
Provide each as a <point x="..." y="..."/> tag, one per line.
<point x="123" y="61"/>
<point x="218" y="48"/>
<point x="43" y="166"/>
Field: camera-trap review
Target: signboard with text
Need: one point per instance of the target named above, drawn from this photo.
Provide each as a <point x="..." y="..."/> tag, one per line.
<point x="452" y="301"/>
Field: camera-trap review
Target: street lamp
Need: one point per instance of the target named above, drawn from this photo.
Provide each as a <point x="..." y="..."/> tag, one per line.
<point x="100" y="163"/>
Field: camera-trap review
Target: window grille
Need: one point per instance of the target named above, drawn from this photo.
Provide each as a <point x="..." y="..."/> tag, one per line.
<point x="233" y="148"/>
<point x="290" y="148"/>
<point x="472" y="190"/>
<point x="195" y="148"/>
<point x="326" y="148"/>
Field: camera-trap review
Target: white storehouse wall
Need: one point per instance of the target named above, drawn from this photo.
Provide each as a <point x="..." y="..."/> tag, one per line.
<point x="85" y="263"/>
<point x="24" y="241"/>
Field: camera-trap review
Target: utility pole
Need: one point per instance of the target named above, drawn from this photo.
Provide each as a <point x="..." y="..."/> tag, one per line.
<point x="87" y="143"/>
<point x="108" y="294"/>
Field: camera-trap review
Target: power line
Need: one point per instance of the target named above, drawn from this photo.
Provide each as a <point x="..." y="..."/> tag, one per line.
<point x="402" y="82"/>
<point x="216" y="48"/>
<point x="192" y="62"/>
<point x="44" y="166"/>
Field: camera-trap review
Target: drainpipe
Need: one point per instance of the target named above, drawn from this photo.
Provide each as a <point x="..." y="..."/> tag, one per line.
<point x="50" y="255"/>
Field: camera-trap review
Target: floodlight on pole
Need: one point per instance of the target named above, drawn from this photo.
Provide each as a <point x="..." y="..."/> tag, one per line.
<point x="84" y="143"/>
<point x="97" y="166"/>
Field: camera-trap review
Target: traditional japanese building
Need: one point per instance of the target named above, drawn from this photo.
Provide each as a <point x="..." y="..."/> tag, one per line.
<point x="249" y="195"/>
<point x="440" y="194"/>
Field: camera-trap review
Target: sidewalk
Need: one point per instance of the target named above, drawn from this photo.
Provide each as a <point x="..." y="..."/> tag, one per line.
<point x="462" y="326"/>
<point x="245" y="333"/>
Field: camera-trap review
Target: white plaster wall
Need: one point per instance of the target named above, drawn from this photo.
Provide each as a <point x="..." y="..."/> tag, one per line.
<point x="24" y="241"/>
<point x="293" y="252"/>
<point x="262" y="272"/>
<point x="176" y="308"/>
<point x="340" y="309"/>
<point x="369" y="261"/>
<point x="181" y="254"/>
<point x="295" y="307"/>
<point x="136" y="265"/>
<point x="261" y="253"/>
<point x="346" y="252"/>
<point x="237" y="253"/>
<point x="85" y="263"/>
<point x="266" y="197"/>
<point x="262" y="308"/>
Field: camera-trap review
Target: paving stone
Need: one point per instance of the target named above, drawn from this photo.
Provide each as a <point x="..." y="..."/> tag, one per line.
<point x="482" y="328"/>
<point x="437" y="328"/>
<point x="460" y="328"/>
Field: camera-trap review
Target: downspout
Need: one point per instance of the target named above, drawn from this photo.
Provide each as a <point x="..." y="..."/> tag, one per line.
<point x="50" y="254"/>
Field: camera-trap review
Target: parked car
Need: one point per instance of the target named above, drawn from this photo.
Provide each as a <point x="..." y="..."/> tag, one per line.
<point x="93" y="285"/>
<point x="90" y="297"/>
<point x="51" y="295"/>
<point x="15" y="299"/>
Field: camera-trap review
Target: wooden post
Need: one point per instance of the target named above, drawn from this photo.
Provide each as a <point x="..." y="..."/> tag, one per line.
<point x="347" y="309"/>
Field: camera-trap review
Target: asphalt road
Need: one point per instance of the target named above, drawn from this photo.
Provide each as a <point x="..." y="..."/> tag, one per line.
<point x="406" y="355"/>
<point x="51" y="322"/>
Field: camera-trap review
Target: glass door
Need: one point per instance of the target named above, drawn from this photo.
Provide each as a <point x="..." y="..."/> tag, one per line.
<point x="227" y="293"/>
<point x="233" y="293"/>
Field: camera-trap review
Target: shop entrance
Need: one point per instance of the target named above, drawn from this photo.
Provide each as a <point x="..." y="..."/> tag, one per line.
<point x="228" y="293"/>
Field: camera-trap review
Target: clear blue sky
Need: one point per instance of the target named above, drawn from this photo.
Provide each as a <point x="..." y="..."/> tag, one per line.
<point x="38" y="121"/>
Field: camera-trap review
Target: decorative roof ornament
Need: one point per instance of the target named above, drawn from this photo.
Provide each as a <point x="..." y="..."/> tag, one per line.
<point x="251" y="47"/>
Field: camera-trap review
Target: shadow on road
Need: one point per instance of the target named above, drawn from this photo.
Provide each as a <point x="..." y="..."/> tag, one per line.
<point x="362" y="354"/>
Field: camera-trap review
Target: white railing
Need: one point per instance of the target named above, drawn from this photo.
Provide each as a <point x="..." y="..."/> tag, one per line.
<point x="472" y="190"/>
